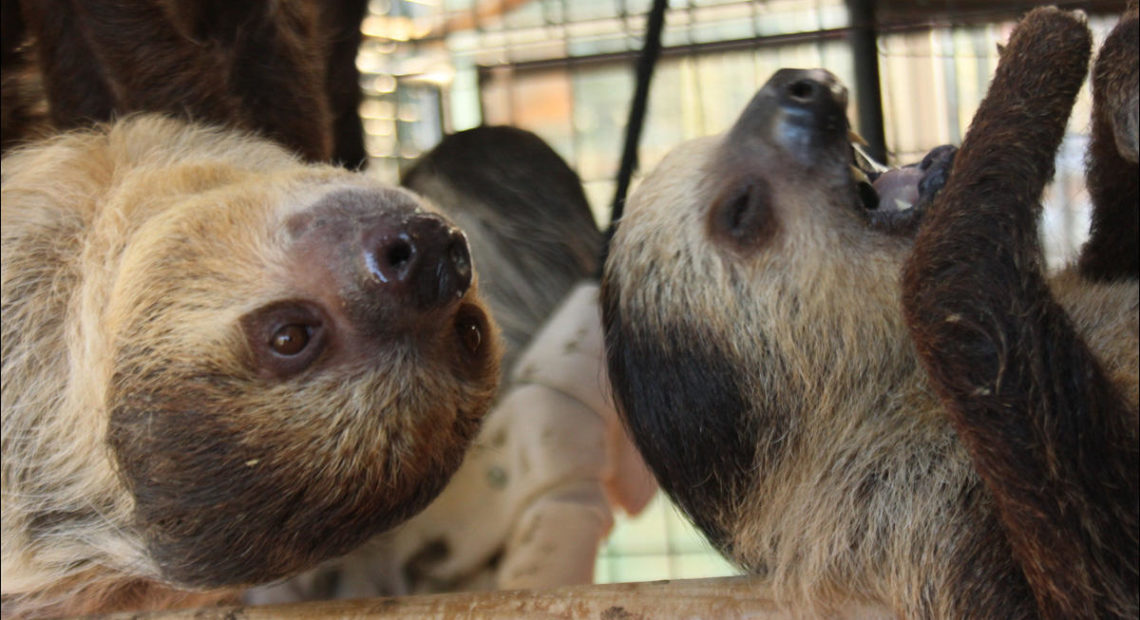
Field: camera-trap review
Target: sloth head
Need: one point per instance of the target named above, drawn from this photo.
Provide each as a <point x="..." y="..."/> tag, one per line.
<point x="750" y="286"/>
<point x="276" y="361"/>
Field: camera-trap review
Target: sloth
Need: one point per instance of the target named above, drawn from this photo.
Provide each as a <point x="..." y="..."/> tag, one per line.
<point x="222" y="364"/>
<point x="393" y="365"/>
<point x="534" y="239"/>
<point x="899" y="408"/>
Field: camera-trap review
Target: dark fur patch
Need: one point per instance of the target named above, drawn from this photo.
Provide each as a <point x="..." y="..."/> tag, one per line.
<point x="742" y="216"/>
<point x="222" y="501"/>
<point x="281" y="69"/>
<point x="682" y="398"/>
<point x="987" y="581"/>
<point x="342" y="80"/>
<point x="1113" y="249"/>
<point x="498" y="164"/>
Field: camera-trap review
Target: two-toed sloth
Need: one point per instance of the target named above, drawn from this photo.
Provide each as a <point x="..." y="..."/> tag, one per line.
<point x="221" y="365"/>
<point x="855" y="411"/>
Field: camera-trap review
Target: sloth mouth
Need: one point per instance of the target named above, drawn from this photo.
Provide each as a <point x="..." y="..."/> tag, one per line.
<point x="894" y="200"/>
<point x="865" y="171"/>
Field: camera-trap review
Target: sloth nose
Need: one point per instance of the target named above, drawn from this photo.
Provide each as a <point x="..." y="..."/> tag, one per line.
<point x="423" y="259"/>
<point x="812" y="87"/>
<point x="810" y="97"/>
<point x="798" y="111"/>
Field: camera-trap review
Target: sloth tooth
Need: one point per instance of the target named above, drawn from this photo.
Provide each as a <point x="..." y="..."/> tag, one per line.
<point x="902" y="205"/>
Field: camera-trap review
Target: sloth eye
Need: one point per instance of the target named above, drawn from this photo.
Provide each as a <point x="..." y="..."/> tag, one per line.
<point x="286" y="337"/>
<point x="470" y="334"/>
<point x="290" y="340"/>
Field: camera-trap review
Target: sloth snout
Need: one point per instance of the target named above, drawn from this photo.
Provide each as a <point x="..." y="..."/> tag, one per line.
<point x="810" y="101"/>
<point x="424" y="259"/>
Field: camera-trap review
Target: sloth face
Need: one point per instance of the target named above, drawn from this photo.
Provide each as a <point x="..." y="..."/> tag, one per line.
<point x="748" y="289"/>
<point x="298" y="363"/>
<point x="253" y="364"/>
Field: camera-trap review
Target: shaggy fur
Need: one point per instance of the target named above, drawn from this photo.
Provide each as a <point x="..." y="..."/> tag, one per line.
<point x="532" y="238"/>
<point x="948" y="444"/>
<point x="285" y="70"/>
<point x="1113" y="250"/>
<point x="152" y="438"/>
<point x="155" y="526"/>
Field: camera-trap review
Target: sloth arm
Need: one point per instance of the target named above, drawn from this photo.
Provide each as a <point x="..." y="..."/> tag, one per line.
<point x="74" y="86"/>
<point x="249" y="65"/>
<point x="1113" y="249"/>
<point x="1054" y="442"/>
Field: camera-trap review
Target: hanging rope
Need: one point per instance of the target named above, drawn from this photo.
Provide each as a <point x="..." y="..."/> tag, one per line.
<point x="646" y="62"/>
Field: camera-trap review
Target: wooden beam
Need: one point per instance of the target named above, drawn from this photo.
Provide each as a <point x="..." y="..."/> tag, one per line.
<point x="729" y="597"/>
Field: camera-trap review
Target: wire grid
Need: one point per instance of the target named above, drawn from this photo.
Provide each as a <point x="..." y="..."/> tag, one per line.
<point x="659" y="543"/>
<point x="564" y="70"/>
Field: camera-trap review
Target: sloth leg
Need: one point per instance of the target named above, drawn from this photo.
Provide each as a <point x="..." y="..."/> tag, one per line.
<point x="1113" y="249"/>
<point x="76" y="89"/>
<point x="341" y="21"/>
<point x="1053" y="440"/>
<point x="254" y="66"/>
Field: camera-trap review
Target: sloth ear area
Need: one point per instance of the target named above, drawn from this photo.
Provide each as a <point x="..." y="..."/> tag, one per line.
<point x="741" y="216"/>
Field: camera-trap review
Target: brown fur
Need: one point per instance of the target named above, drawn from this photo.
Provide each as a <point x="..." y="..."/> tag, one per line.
<point x="171" y="535"/>
<point x="1052" y="436"/>
<point x="151" y="446"/>
<point x="533" y="240"/>
<point x="1113" y="249"/>
<point x="766" y="368"/>
<point x="285" y="70"/>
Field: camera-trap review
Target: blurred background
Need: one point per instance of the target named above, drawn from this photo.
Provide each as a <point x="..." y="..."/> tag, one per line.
<point x="564" y="70"/>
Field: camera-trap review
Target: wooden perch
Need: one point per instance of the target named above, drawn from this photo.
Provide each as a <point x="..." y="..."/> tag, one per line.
<point x="730" y="597"/>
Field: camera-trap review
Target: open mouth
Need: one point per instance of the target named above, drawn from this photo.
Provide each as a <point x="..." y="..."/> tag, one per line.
<point x="894" y="200"/>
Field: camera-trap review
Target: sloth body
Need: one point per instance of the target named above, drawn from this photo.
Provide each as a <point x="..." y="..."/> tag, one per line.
<point x="784" y="377"/>
<point x="157" y="451"/>
<point x="220" y="365"/>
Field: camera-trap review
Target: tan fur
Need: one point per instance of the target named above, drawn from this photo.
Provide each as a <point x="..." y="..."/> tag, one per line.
<point x="823" y="295"/>
<point x="145" y="243"/>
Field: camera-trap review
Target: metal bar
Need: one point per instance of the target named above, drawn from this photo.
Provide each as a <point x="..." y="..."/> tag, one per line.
<point x="646" y="61"/>
<point x="863" y="36"/>
<point x="683" y="50"/>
